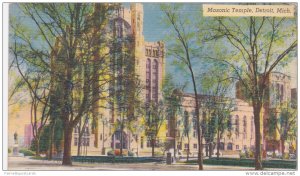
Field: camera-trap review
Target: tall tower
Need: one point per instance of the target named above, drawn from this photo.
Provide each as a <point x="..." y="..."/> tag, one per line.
<point x="137" y="20"/>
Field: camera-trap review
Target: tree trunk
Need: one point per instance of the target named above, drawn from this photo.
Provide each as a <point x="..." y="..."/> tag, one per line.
<point x="79" y="144"/>
<point x="67" y="146"/>
<point x="37" y="150"/>
<point x="121" y="145"/>
<point x="210" y="149"/>
<point x="282" y="147"/>
<point x="218" y="144"/>
<point x="153" y="145"/>
<point x="258" y="137"/>
<point x="51" y="142"/>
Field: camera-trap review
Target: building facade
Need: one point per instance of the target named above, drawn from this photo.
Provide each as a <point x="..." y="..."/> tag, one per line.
<point x="136" y="59"/>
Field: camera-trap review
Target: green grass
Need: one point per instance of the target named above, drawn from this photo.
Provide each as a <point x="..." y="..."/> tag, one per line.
<point x="247" y="163"/>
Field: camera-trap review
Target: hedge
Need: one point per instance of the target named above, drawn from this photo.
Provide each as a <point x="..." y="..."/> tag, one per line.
<point x="115" y="159"/>
<point x="27" y="152"/>
<point x="247" y="163"/>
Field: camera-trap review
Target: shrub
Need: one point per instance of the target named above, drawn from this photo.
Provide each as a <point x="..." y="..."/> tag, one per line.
<point x="130" y="153"/>
<point x="27" y="152"/>
<point x="242" y="155"/>
<point x="111" y="153"/>
<point x="286" y="156"/>
<point x="251" y="154"/>
<point x="158" y="153"/>
<point x="9" y="150"/>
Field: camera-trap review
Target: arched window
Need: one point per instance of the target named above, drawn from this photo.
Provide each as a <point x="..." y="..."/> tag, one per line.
<point x="245" y="127"/>
<point x="229" y="146"/>
<point x="155" y="81"/>
<point x="237" y="125"/>
<point x="148" y="80"/>
<point x="221" y="146"/>
<point x="230" y="123"/>
<point x="252" y="127"/>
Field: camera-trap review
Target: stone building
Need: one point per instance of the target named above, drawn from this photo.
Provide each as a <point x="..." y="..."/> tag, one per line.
<point x="143" y="61"/>
<point x="240" y="136"/>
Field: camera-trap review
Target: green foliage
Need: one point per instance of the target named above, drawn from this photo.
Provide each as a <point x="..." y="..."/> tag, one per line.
<point x="27" y="152"/>
<point x="243" y="155"/>
<point x="44" y="140"/>
<point x="130" y="153"/>
<point x="9" y="150"/>
<point x="111" y="153"/>
<point x="286" y="156"/>
<point x="158" y="153"/>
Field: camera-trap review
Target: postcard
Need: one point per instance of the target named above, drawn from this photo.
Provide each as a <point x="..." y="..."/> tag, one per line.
<point x="147" y="86"/>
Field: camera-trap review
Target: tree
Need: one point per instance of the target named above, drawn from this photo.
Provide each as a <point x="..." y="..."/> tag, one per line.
<point x="37" y="83"/>
<point x="154" y="119"/>
<point x="182" y="49"/>
<point x="67" y="31"/>
<point x="172" y="96"/>
<point x="252" y="47"/>
<point x="187" y="126"/>
<point x="284" y="124"/>
<point x="218" y="103"/>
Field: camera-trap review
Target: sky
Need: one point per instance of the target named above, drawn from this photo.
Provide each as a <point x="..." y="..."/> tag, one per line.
<point x="155" y="30"/>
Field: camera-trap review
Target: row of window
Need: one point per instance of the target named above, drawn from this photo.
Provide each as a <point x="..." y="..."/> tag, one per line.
<point x="151" y="80"/>
<point x="149" y="142"/>
<point x="85" y="141"/>
<point x="186" y="146"/>
<point x="153" y="53"/>
<point x="230" y="146"/>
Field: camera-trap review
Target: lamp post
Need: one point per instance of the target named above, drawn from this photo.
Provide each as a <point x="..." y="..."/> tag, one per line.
<point x="104" y="122"/>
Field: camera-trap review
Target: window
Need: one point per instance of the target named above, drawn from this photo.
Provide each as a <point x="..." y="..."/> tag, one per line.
<point x="179" y="145"/>
<point x="252" y="126"/>
<point x="194" y="123"/>
<point x="149" y="142"/>
<point x="237" y="126"/>
<point x="101" y="137"/>
<point x="186" y="119"/>
<point x="119" y="30"/>
<point x="230" y="123"/>
<point x="194" y="134"/>
<point x="186" y="146"/>
<point x="237" y="147"/>
<point x="148" y="80"/>
<point x="221" y="146"/>
<point x="142" y="142"/>
<point x="155" y="81"/>
<point x="86" y="141"/>
<point x="245" y="127"/>
<point x="75" y="141"/>
<point x="229" y="146"/>
<point x="195" y="146"/>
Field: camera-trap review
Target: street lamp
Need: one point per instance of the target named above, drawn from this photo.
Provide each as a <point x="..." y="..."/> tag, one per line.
<point x="104" y="122"/>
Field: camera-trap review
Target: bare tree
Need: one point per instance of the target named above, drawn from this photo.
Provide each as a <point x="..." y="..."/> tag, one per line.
<point x="183" y="51"/>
